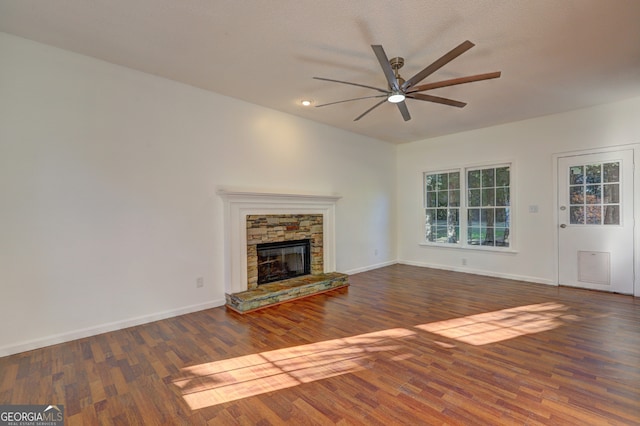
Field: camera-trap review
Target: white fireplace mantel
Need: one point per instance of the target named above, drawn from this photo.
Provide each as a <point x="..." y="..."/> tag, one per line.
<point x="239" y="204"/>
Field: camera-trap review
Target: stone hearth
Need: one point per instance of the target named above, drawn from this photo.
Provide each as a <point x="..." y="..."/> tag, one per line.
<point x="283" y="291"/>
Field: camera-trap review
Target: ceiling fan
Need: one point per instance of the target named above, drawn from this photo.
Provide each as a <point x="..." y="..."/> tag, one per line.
<point x="400" y="89"/>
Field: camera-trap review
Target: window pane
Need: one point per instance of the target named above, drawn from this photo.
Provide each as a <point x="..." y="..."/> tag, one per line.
<point x="576" y="175"/>
<point x="576" y="195"/>
<point x="488" y="197"/>
<point x="502" y="217"/>
<point x="452" y="226"/>
<point x="429" y="182"/>
<point x="454" y="180"/>
<point x="429" y="217"/>
<point x="486" y="217"/>
<point x="443" y="181"/>
<point x="474" y="218"/>
<point x="488" y="178"/>
<point x="489" y="239"/>
<point x="454" y="198"/>
<point x="443" y="198"/>
<point x="502" y="237"/>
<point x="593" y="195"/>
<point x="502" y="196"/>
<point x="453" y="217"/>
<point x="431" y="199"/>
<point x="473" y="179"/>
<point x="474" y="198"/>
<point x="430" y="234"/>
<point x="593" y="172"/>
<point x="441" y="234"/>
<point x="611" y="193"/>
<point x="612" y="215"/>
<point x="576" y="215"/>
<point x="594" y="215"/>
<point x="441" y="216"/>
<point x="611" y="172"/>
<point x="502" y="176"/>
<point x="473" y="236"/>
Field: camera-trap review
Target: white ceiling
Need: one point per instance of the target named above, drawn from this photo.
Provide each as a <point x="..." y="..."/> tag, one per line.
<point x="555" y="55"/>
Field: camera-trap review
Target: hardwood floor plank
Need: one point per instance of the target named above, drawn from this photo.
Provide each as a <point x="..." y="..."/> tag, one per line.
<point x="401" y="345"/>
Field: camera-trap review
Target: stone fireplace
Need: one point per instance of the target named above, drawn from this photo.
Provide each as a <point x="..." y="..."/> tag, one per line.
<point x="251" y="218"/>
<point x="274" y="232"/>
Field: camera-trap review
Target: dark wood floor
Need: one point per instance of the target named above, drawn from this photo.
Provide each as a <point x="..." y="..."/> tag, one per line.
<point x="402" y="345"/>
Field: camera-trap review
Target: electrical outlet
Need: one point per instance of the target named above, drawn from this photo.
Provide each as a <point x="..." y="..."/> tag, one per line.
<point x="464" y="262"/>
<point x="199" y="282"/>
<point x="375" y="252"/>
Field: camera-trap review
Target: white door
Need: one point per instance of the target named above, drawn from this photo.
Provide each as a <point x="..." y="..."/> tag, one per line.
<point x="595" y="218"/>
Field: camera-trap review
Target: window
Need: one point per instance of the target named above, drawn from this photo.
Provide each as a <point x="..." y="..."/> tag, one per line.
<point x="488" y="202"/>
<point x="442" y="202"/>
<point x="483" y="215"/>
<point x="595" y="194"/>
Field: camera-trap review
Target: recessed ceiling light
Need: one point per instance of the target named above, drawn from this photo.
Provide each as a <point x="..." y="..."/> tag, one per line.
<point x="306" y="102"/>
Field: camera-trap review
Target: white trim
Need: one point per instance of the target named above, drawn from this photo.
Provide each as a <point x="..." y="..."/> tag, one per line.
<point x="479" y="272"/>
<point x="370" y="267"/>
<point x="104" y="328"/>
<point x="240" y="204"/>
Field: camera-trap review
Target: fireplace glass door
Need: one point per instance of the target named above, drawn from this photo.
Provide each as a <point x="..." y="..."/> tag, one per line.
<point x="283" y="260"/>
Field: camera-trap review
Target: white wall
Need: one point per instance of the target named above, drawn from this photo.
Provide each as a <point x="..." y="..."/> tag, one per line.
<point x="108" y="181"/>
<point x="530" y="145"/>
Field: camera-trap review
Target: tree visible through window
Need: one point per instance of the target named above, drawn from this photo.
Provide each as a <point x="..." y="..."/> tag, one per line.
<point x="442" y="203"/>
<point x="483" y="216"/>
<point x="594" y="194"/>
<point x="488" y="200"/>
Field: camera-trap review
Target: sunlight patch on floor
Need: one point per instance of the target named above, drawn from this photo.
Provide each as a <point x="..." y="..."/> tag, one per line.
<point x="492" y="327"/>
<point x="217" y="382"/>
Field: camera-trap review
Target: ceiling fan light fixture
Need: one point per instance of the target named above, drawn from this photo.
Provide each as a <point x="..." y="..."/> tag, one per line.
<point x="396" y="97"/>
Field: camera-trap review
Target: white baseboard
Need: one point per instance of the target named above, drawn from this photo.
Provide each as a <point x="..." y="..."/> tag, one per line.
<point x="104" y="328"/>
<point x="480" y="272"/>
<point x="370" y="267"/>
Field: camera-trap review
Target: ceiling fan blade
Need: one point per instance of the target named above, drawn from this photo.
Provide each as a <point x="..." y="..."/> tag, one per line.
<point x="439" y="63"/>
<point x="454" y="81"/>
<point x="386" y="66"/>
<point x="436" y="99"/>
<point x="370" y="109"/>
<point x="402" y="106"/>
<point x="352" y="84"/>
<point x="354" y="99"/>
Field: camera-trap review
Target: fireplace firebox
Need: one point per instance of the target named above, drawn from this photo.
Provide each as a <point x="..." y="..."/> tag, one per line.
<point x="283" y="260"/>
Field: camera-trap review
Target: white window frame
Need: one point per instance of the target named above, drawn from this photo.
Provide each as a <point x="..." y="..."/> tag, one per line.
<point x="462" y="242"/>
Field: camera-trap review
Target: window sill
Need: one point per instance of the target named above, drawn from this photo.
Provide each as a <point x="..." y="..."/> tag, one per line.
<point x="509" y="250"/>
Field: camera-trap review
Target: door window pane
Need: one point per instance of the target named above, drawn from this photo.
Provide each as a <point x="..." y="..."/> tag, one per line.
<point x="576" y="175"/>
<point x="576" y="195"/>
<point x="611" y="172"/>
<point x="611" y="194"/>
<point x="594" y="194"/>
<point x="593" y="172"/>
<point x="576" y="215"/>
<point x="611" y="215"/>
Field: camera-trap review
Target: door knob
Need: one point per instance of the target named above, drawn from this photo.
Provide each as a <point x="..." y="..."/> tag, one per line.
<point x="564" y="225"/>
